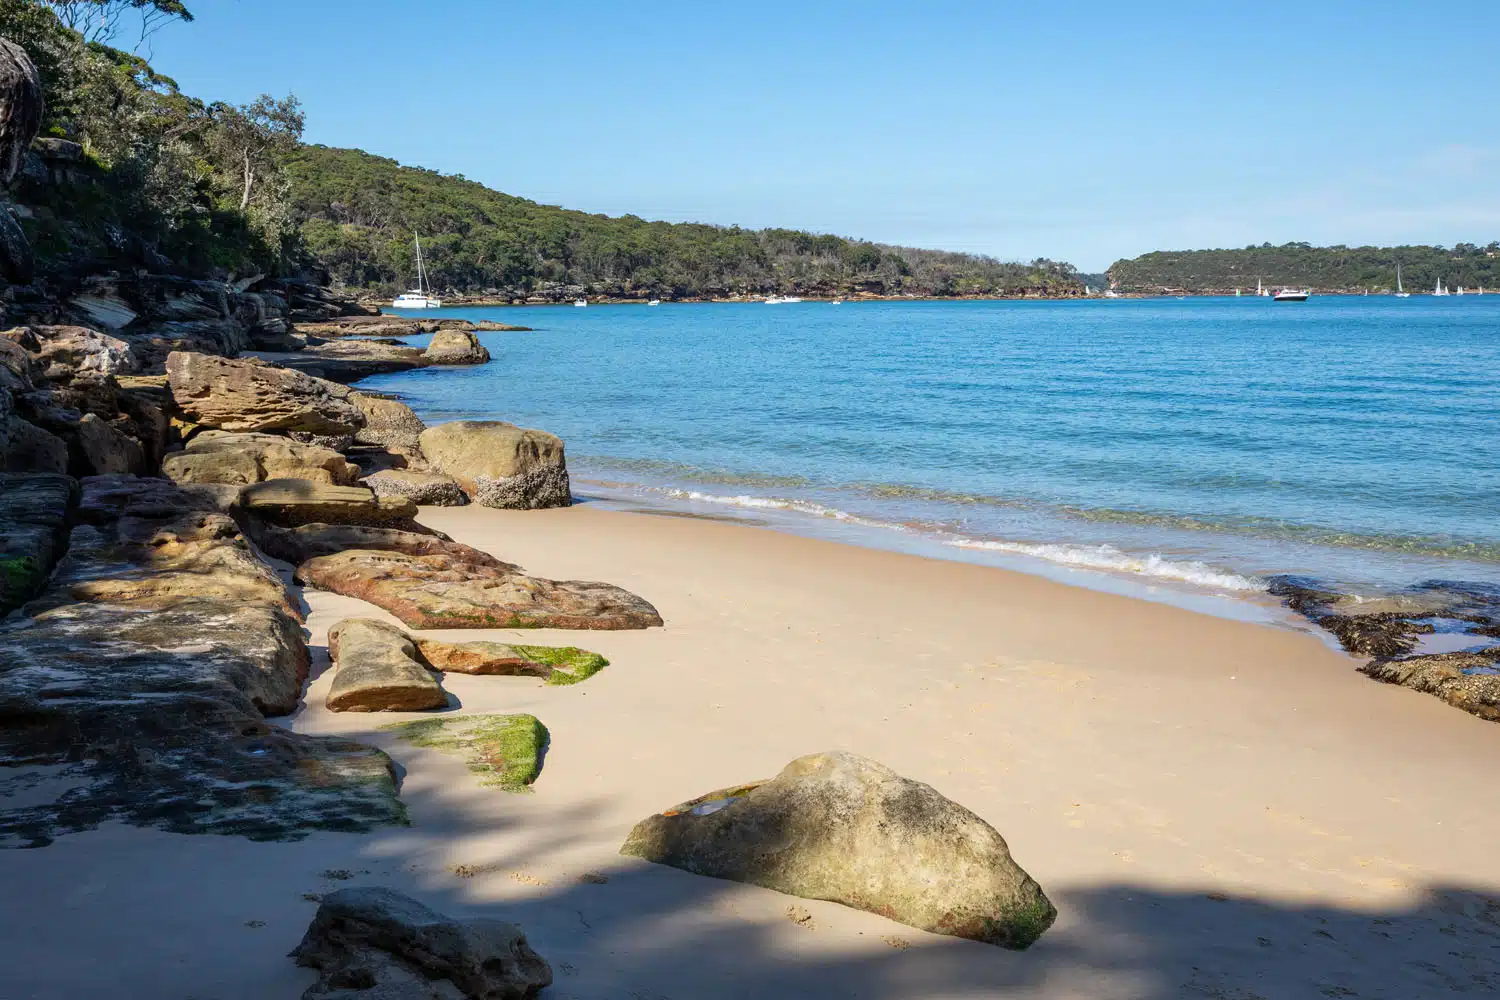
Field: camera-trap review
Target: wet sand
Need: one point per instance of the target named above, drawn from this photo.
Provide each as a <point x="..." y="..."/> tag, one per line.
<point x="1218" y="808"/>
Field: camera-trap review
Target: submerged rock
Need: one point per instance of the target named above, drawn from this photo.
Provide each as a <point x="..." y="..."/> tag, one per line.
<point x="499" y="464"/>
<point x="242" y="459"/>
<point x="34" y="512"/>
<point x="442" y="591"/>
<point x="378" y="670"/>
<point x="372" y="943"/>
<point x="427" y="489"/>
<point x="839" y="827"/>
<point x="250" y="395"/>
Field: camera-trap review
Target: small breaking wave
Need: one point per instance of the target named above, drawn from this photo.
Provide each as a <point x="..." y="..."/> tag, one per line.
<point x="1109" y="558"/>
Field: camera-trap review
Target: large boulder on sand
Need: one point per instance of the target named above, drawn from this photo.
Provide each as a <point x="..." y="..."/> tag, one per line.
<point x="373" y="943"/>
<point x="378" y="670"/>
<point x="249" y="395"/>
<point x="447" y="590"/>
<point x="839" y="827"/>
<point x="456" y="347"/>
<point x="290" y="502"/>
<point x="389" y="423"/>
<point x="242" y="459"/>
<point x="499" y="464"/>
<point x="427" y="489"/>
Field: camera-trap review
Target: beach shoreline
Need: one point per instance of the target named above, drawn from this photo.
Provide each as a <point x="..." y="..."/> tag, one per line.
<point x="1185" y="787"/>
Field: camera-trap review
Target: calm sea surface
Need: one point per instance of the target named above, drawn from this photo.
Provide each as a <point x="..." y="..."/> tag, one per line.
<point x="1197" y="444"/>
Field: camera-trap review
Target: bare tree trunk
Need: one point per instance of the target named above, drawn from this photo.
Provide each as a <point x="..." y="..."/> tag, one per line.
<point x="249" y="180"/>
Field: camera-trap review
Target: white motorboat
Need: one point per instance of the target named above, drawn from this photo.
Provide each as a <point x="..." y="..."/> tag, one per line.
<point x="654" y="302"/>
<point x="1291" y="295"/>
<point x="1401" y="293"/>
<point x="421" y="296"/>
<point x="581" y="303"/>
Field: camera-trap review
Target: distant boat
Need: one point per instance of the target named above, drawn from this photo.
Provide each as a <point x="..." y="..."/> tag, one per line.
<point x="581" y="303"/>
<point x="1401" y="293"/>
<point x="1236" y="293"/>
<point x="1460" y="290"/>
<point x="837" y="302"/>
<point x="1259" y="291"/>
<point x="654" y="302"/>
<point x="1438" y="289"/>
<point x="1291" y="295"/>
<point x="1110" y="293"/>
<point x="419" y="297"/>
<point x="776" y="300"/>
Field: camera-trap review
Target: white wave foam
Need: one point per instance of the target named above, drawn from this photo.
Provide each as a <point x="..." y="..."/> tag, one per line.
<point x="1107" y="557"/>
<point x="776" y="503"/>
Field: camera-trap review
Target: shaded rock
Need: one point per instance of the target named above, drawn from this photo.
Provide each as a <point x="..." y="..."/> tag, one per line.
<point x="241" y="459"/>
<point x="155" y="717"/>
<point x="150" y="544"/>
<point x="1470" y="681"/>
<point x="456" y="347"/>
<point x="290" y="502"/>
<point x="500" y="464"/>
<point x="17" y="262"/>
<point x="389" y="423"/>
<point x="372" y="943"/>
<point x="21" y="108"/>
<point x="24" y="447"/>
<point x="108" y="450"/>
<point x="440" y="591"/>
<point x="249" y="395"/>
<point x="839" y="827"/>
<point x="34" y="513"/>
<point x="505" y="751"/>
<point x="423" y="488"/>
<point x="309" y="541"/>
<point x="378" y="670"/>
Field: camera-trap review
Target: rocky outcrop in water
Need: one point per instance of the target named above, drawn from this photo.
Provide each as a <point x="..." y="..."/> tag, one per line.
<point x="372" y="943"/>
<point x="499" y="464"/>
<point x="456" y="347"/>
<point x="843" y="828"/>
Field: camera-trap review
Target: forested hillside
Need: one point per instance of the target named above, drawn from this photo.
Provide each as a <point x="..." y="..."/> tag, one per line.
<point x="1325" y="269"/>
<point x="358" y="213"/>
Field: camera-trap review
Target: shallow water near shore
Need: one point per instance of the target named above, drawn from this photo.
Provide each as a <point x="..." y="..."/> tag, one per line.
<point x="1193" y="446"/>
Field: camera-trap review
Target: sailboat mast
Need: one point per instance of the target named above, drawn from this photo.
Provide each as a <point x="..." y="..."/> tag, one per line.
<point x="421" y="273"/>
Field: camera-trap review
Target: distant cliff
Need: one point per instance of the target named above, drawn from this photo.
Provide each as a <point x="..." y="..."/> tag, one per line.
<point x="1324" y="269"/>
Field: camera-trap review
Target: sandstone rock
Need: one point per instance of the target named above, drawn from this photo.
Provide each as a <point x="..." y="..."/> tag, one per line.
<point x="441" y="591"/>
<point x="839" y="827"/>
<point x="423" y="488"/>
<point x="389" y="423"/>
<point x="64" y="350"/>
<point x="34" y="511"/>
<point x="505" y="751"/>
<point x="241" y="459"/>
<point x="155" y="717"/>
<point x="372" y="943"/>
<point x="106" y="449"/>
<point x="456" y="347"/>
<point x="351" y="360"/>
<point x="150" y="544"/>
<point x="290" y="502"/>
<point x="378" y="670"/>
<point x="249" y="395"/>
<point x="309" y="541"/>
<point x="555" y="664"/>
<point x="21" y="108"/>
<point x="491" y="325"/>
<point x="500" y="464"/>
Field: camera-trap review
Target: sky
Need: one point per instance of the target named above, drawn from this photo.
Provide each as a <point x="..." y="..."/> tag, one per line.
<point x="1084" y="132"/>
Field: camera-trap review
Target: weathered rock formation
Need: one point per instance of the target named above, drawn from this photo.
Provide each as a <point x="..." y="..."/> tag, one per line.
<point x="351" y="360"/>
<point x="456" y="347"/>
<point x="34" y="513"/>
<point x="291" y="502"/>
<point x="428" y="489"/>
<point x="250" y="395"/>
<point x="242" y="459"/>
<point x="389" y="423"/>
<point x="372" y="943"/>
<point x="499" y="464"/>
<point x="378" y="670"/>
<point x="445" y="590"/>
<point x="21" y="110"/>
<point x="839" y="827"/>
<point x="309" y="541"/>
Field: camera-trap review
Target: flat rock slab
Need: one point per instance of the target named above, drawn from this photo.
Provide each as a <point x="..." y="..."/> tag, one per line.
<point x="34" y="512"/>
<point x="441" y="591"/>
<point x="241" y="459"/>
<point x="378" y="670"/>
<point x="291" y="502"/>
<point x="249" y="395"/>
<point x="156" y="717"/>
<point x="308" y="541"/>
<point x="505" y="751"/>
<point x="843" y="828"/>
<point x="373" y="943"/>
<point x="556" y="665"/>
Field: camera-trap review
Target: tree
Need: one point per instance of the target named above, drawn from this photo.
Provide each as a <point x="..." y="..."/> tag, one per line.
<point x="99" y="20"/>
<point x="248" y="139"/>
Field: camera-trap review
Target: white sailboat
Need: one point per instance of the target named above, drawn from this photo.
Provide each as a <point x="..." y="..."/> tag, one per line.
<point x="419" y="297"/>
<point x="1401" y="293"/>
<point x="1439" y="290"/>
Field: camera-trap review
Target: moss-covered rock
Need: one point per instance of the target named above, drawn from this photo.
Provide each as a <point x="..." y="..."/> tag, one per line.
<point x="34" y="512"/>
<point x="504" y="750"/>
<point x="556" y="665"/>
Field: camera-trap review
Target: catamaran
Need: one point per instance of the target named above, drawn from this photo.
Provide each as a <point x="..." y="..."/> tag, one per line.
<point x="1401" y="293"/>
<point x="419" y="297"/>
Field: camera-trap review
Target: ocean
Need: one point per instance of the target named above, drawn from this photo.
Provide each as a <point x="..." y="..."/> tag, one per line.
<point x="1178" y="448"/>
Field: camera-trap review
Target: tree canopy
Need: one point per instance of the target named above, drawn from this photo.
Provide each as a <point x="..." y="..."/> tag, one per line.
<point x="1326" y="269"/>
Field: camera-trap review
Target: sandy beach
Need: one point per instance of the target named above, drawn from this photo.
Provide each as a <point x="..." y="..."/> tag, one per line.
<point x="1217" y="808"/>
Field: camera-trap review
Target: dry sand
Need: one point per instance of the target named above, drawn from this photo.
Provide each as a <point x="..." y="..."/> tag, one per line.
<point x="1218" y="808"/>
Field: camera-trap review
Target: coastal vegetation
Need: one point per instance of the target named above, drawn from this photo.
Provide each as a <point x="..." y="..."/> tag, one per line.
<point x="1325" y="269"/>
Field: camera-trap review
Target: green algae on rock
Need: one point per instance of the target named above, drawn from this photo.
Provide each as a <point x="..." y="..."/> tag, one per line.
<point x="557" y="665"/>
<point x="839" y="827"/>
<point x="505" y="751"/>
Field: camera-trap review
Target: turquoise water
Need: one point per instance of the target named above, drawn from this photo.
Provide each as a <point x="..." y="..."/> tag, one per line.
<point x="1203" y="443"/>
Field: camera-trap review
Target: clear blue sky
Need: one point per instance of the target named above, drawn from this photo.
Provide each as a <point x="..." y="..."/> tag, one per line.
<point x="1084" y="131"/>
